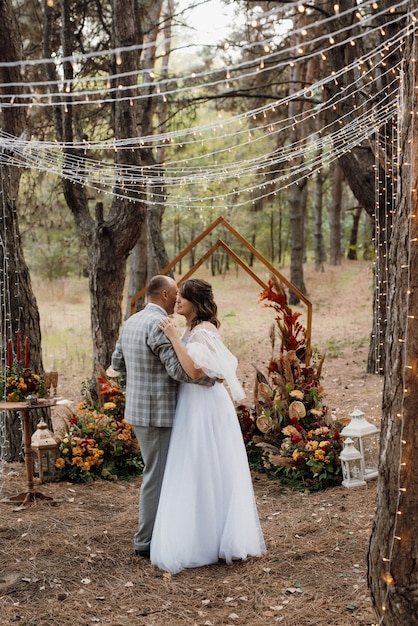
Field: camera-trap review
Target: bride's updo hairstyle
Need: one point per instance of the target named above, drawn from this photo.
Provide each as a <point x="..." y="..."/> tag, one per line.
<point x="200" y="294"/>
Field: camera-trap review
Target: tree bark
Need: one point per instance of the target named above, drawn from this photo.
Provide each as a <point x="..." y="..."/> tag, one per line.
<point x="108" y="238"/>
<point x="335" y="216"/>
<point x="137" y="272"/>
<point x="319" y="246"/>
<point x="19" y="308"/>
<point x="359" y="164"/>
<point x="298" y="189"/>
<point x="352" y="248"/>
<point x="393" y="552"/>
<point x="149" y="260"/>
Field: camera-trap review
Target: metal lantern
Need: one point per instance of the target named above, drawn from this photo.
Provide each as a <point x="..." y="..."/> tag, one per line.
<point x="45" y="452"/>
<point x="352" y="465"/>
<point x="365" y="436"/>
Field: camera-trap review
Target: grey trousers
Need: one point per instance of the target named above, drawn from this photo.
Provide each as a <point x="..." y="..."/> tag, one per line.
<point x="153" y="442"/>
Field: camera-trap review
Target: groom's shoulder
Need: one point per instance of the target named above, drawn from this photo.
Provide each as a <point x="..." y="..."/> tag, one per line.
<point x="144" y="319"/>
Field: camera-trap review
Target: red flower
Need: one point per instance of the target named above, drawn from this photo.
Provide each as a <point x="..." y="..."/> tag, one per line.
<point x="73" y="420"/>
<point x="296" y="439"/>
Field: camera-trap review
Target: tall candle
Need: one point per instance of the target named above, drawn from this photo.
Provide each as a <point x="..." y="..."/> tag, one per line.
<point x="26" y="362"/>
<point x="18" y="346"/>
<point x="9" y="354"/>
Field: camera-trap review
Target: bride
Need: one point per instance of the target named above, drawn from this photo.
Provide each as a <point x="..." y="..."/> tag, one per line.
<point x="207" y="508"/>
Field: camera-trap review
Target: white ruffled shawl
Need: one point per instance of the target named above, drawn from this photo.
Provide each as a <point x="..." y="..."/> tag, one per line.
<point x="209" y="353"/>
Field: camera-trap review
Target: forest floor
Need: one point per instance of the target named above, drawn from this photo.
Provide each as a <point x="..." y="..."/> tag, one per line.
<point x="72" y="563"/>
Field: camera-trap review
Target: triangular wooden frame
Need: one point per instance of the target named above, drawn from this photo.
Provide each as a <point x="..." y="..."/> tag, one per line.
<point x="237" y="258"/>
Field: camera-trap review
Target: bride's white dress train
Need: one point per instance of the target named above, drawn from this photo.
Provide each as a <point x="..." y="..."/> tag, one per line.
<point x="207" y="509"/>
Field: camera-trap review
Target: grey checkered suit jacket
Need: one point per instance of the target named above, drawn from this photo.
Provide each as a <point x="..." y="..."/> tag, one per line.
<point x="152" y="369"/>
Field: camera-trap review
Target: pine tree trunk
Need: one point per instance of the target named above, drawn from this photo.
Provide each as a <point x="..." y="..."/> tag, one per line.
<point x="297" y="208"/>
<point x="19" y="308"/>
<point x="108" y="238"/>
<point x="352" y="249"/>
<point x="393" y="553"/>
<point x="335" y="216"/>
<point x="320" y="254"/>
<point x="137" y="273"/>
<point x="298" y="190"/>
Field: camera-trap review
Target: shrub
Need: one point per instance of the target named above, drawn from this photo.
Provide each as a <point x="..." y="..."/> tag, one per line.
<point x="98" y="443"/>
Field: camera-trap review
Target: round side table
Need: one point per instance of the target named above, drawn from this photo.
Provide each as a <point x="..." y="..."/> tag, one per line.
<point x="30" y="496"/>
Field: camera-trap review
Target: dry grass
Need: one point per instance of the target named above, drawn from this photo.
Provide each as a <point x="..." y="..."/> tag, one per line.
<point x="72" y="564"/>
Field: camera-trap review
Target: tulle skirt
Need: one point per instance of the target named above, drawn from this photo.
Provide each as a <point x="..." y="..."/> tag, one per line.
<point x="207" y="509"/>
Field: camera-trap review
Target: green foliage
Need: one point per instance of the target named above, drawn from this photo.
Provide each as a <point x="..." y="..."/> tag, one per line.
<point x="52" y="248"/>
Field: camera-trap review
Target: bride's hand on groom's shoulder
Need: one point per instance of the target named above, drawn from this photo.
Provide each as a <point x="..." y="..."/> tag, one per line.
<point x="168" y="327"/>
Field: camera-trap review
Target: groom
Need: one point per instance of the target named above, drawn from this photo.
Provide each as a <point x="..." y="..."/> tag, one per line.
<point x="152" y="376"/>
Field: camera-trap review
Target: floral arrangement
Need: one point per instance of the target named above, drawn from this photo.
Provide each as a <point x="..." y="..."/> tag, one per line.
<point x="19" y="382"/>
<point x="288" y="432"/>
<point x="98" y="443"/>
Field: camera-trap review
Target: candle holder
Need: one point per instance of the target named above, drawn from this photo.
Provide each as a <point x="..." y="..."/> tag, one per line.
<point x="54" y="381"/>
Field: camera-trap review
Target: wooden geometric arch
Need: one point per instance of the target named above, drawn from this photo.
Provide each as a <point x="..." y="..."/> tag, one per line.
<point x="221" y="244"/>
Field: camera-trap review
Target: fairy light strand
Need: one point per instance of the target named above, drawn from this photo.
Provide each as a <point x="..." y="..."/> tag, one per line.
<point x="396" y="535"/>
<point x="80" y="96"/>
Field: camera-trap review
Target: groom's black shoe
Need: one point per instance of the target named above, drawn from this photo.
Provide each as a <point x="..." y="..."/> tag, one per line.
<point x="144" y="553"/>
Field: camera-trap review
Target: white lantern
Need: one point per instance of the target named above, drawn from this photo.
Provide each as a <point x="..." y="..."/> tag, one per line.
<point x="365" y="436"/>
<point x="351" y="464"/>
<point x="45" y="452"/>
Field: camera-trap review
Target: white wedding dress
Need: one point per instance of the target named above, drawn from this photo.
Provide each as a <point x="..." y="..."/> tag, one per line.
<point x="207" y="508"/>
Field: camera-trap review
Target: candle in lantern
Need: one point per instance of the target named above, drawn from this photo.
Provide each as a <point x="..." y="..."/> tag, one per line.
<point x="18" y="345"/>
<point x="26" y="362"/>
<point x="9" y="354"/>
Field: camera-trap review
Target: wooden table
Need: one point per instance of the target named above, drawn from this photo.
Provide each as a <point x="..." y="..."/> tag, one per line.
<point x="26" y="498"/>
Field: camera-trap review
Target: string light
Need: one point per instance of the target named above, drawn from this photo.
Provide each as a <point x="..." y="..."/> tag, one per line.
<point x="138" y="77"/>
<point x="409" y="370"/>
<point x="231" y="137"/>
